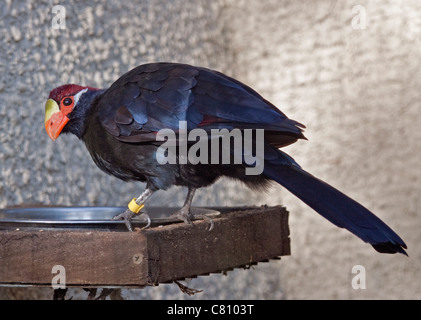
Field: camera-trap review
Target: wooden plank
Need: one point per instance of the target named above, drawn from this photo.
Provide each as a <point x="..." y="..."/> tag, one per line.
<point x="93" y="258"/>
<point x="89" y="257"/>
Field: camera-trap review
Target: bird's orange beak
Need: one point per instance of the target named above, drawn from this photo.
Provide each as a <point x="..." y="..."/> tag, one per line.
<point x="55" y="120"/>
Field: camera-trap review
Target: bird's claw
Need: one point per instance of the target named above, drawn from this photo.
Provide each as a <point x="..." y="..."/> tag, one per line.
<point x="183" y="215"/>
<point x="187" y="290"/>
<point x="127" y="217"/>
<point x="205" y="217"/>
<point x="186" y="216"/>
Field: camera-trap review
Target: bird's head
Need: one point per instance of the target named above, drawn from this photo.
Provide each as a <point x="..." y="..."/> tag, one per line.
<point x="61" y="103"/>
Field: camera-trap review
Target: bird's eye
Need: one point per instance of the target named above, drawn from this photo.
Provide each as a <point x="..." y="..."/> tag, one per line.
<point x="67" y="101"/>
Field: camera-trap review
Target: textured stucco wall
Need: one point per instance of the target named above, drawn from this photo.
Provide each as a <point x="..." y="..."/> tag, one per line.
<point x="356" y="90"/>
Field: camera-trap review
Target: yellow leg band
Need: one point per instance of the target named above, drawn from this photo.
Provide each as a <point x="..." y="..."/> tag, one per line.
<point x="134" y="207"/>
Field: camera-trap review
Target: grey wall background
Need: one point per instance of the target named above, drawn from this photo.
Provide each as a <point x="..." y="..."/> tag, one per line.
<point x="356" y="90"/>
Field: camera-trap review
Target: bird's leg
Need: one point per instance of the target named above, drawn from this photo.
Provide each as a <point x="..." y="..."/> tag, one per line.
<point x="184" y="213"/>
<point x="134" y="208"/>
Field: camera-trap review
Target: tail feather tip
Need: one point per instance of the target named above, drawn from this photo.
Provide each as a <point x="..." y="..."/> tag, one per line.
<point x="391" y="248"/>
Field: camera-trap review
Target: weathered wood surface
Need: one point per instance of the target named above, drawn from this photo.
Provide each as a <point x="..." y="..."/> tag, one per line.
<point x="93" y="258"/>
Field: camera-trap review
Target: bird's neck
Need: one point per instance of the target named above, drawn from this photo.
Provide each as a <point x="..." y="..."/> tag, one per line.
<point x="79" y="117"/>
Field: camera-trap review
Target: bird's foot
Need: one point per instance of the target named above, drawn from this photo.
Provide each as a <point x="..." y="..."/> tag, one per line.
<point x="127" y="217"/>
<point x="186" y="216"/>
<point x="187" y="290"/>
<point x="183" y="214"/>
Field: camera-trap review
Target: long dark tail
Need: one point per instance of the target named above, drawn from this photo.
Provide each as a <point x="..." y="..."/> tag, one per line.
<point x="336" y="206"/>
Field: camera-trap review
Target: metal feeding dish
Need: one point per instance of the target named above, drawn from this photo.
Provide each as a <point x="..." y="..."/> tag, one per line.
<point x="86" y="217"/>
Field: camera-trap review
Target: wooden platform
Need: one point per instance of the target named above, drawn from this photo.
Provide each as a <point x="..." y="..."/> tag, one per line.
<point x="94" y="258"/>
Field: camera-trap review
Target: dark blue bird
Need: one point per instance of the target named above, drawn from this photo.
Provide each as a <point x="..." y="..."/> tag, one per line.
<point x="119" y="127"/>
